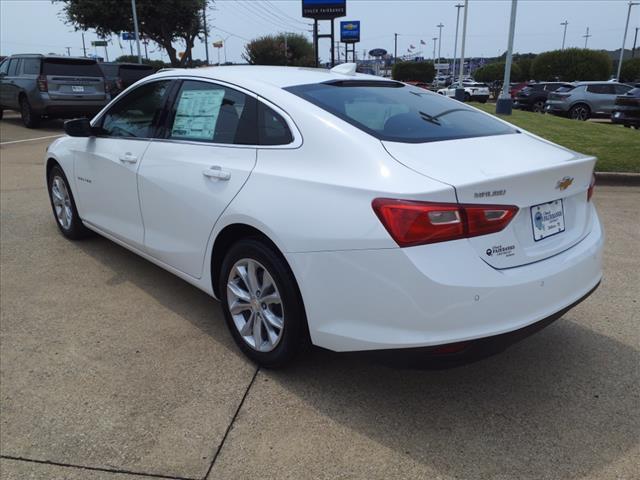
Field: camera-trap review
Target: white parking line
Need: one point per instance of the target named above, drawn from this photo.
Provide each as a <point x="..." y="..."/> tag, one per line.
<point x="30" y="139"/>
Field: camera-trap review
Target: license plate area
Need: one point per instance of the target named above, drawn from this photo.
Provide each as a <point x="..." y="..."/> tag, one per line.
<point x="547" y="219"/>
<point x="77" y="89"/>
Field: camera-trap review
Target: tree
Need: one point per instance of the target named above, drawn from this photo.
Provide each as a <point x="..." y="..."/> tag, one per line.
<point x="162" y="21"/>
<point x="630" y="70"/>
<point x="281" y="49"/>
<point x="413" y="71"/>
<point x="495" y="72"/>
<point x="571" y="64"/>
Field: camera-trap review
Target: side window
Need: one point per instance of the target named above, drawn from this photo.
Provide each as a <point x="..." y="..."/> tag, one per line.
<point x="208" y="112"/>
<point x="30" y="66"/>
<point x="600" y="88"/>
<point x="4" y="66"/>
<point x="621" y="89"/>
<point x="13" y="67"/>
<point x="137" y="114"/>
<point x="272" y="128"/>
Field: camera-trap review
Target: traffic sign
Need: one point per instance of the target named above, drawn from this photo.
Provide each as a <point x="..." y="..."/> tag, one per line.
<point x="128" y="36"/>
<point x="99" y="43"/>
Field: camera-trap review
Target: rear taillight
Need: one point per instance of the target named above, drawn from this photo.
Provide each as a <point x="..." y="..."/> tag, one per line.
<point x="413" y="223"/>
<point x="42" y="83"/>
<point x="591" y="187"/>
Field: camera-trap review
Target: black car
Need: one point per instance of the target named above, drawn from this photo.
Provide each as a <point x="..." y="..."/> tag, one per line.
<point x="119" y="76"/>
<point x="533" y="96"/>
<point x="627" y="109"/>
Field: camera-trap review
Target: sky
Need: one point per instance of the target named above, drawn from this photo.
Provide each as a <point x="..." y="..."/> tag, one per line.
<point x="37" y="26"/>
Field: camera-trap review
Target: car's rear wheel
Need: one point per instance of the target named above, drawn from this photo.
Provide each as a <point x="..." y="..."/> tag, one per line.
<point x="261" y="303"/>
<point x="29" y="117"/>
<point x="64" y="206"/>
<point x="467" y="97"/>
<point x="538" y="106"/>
<point x="580" y="112"/>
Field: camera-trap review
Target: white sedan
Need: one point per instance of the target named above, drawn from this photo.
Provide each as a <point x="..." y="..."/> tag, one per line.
<point x="344" y="210"/>
<point x="473" y="91"/>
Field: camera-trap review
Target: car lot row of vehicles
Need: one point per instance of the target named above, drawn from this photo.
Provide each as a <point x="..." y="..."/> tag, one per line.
<point x="51" y="86"/>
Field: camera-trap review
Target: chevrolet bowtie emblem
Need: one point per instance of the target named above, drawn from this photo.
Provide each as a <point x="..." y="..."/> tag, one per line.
<point x="564" y="183"/>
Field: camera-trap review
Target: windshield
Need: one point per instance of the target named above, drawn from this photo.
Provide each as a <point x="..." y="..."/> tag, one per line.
<point x="401" y="113"/>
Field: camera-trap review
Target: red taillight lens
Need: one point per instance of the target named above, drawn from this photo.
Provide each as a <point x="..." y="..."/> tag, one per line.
<point x="42" y="83"/>
<point x="416" y="223"/>
<point x="591" y="187"/>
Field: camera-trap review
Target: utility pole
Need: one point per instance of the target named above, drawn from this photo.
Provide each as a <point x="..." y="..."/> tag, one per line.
<point x="586" y="37"/>
<point x="460" y="90"/>
<point x="84" y="48"/>
<point x="564" y="35"/>
<point x="395" y="49"/>
<point x="435" y="39"/>
<point x="286" y="51"/>
<point x="504" y="103"/>
<point x="206" y="33"/>
<point x="440" y="25"/>
<point x="635" y="39"/>
<point x="624" y="37"/>
<point x="455" y="43"/>
<point x="68" y="51"/>
<point x="135" y="27"/>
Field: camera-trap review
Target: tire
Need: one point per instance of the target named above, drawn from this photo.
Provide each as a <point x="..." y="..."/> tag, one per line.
<point x="538" y="106"/>
<point x="467" y="97"/>
<point x="1" y="112"/>
<point x="272" y="280"/>
<point x="29" y="117"/>
<point x="484" y="100"/>
<point x="580" y="112"/>
<point x="64" y="206"/>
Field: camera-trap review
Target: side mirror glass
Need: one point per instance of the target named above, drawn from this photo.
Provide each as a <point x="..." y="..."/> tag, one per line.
<point x="78" y="127"/>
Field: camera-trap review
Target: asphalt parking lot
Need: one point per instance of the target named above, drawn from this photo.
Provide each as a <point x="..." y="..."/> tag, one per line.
<point x="111" y="368"/>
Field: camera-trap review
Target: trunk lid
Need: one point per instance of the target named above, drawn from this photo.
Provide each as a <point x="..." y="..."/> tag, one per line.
<point x="540" y="178"/>
<point x="73" y="79"/>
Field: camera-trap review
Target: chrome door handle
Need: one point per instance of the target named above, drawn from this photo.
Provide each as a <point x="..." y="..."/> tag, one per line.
<point x="128" y="158"/>
<point x="216" y="172"/>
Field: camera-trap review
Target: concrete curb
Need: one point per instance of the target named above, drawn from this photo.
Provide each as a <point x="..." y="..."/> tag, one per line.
<point x="618" y="178"/>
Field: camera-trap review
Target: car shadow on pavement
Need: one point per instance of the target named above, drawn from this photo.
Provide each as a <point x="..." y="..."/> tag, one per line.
<point x="559" y="404"/>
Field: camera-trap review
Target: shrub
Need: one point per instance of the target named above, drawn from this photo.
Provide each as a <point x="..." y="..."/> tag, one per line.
<point x="270" y="50"/>
<point x="495" y="72"/>
<point x="571" y="64"/>
<point x="413" y="71"/>
<point x="630" y="70"/>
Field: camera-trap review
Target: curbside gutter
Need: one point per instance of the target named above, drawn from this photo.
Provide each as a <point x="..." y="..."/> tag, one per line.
<point x="618" y="178"/>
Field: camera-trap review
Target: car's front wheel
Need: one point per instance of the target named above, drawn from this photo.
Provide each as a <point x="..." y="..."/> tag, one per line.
<point x="64" y="206"/>
<point x="580" y="112"/>
<point x="538" y="106"/>
<point x="261" y="303"/>
<point x="30" y="118"/>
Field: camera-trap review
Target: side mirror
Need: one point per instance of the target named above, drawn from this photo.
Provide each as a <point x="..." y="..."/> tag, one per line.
<point x="78" y="127"/>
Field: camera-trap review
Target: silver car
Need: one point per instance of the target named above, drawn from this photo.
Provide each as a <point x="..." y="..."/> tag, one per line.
<point x="583" y="100"/>
<point x="51" y="86"/>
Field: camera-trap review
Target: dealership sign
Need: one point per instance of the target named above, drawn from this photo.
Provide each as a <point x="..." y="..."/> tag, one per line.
<point x="324" y="9"/>
<point x="350" y="32"/>
<point x="378" y="52"/>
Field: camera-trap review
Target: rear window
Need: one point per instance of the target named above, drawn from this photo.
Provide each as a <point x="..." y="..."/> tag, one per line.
<point x="109" y="70"/>
<point x="70" y="68"/>
<point x="131" y="75"/>
<point x="401" y="113"/>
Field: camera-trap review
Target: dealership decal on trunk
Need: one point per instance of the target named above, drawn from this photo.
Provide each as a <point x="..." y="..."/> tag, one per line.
<point x="500" y="250"/>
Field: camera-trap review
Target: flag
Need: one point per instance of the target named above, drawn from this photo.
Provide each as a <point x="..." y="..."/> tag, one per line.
<point x="422" y="42"/>
<point x="411" y="46"/>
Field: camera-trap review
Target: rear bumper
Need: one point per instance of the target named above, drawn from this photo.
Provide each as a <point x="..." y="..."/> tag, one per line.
<point x="626" y="117"/>
<point x="436" y="294"/>
<point x="67" y="108"/>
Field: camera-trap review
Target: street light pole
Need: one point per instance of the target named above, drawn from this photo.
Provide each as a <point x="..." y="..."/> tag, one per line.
<point x="395" y="49"/>
<point x="434" y="48"/>
<point x="84" y="48"/>
<point x="135" y="26"/>
<point x="504" y="103"/>
<point x="206" y="33"/>
<point x="460" y="90"/>
<point x="586" y="37"/>
<point x="624" y="37"/>
<point x="564" y="35"/>
<point x="455" y="42"/>
<point x="440" y="25"/>
<point x="635" y="39"/>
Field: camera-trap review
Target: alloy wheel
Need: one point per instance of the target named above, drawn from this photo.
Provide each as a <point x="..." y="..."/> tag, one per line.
<point x="255" y="305"/>
<point x="61" y="202"/>
<point x="580" y="113"/>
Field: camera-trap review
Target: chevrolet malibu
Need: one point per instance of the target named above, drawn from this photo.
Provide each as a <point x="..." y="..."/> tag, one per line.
<point x="325" y="206"/>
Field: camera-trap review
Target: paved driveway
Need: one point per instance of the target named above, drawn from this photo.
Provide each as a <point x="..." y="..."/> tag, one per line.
<point x="112" y="368"/>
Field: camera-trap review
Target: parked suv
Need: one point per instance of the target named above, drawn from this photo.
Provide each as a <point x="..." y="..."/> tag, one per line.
<point x="583" y="100"/>
<point x="52" y="86"/>
<point x="627" y="109"/>
<point x="119" y="76"/>
<point x="533" y="96"/>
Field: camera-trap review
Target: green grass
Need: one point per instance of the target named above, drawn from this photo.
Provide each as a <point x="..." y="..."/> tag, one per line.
<point x="617" y="148"/>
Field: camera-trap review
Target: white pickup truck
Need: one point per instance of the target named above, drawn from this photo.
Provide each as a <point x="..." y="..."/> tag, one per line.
<point x="473" y="91"/>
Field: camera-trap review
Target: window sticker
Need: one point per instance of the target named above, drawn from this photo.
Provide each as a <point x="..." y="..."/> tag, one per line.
<point x="197" y="114"/>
